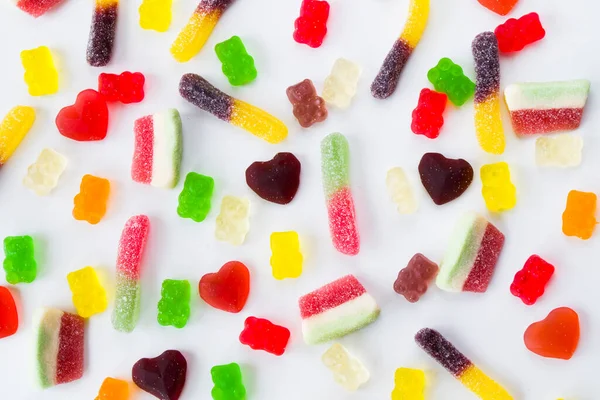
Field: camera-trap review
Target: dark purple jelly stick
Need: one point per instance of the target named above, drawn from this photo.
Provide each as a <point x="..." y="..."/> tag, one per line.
<point x="442" y="351"/>
<point x="102" y="35"/>
<point x="205" y="96"/>
<point x="487" y="65"/>
<point x="389" y="74"/>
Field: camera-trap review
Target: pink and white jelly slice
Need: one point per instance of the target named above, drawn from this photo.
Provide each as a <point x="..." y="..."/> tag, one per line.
<point x="336" y="309"/>
<point x="37" y="8"/>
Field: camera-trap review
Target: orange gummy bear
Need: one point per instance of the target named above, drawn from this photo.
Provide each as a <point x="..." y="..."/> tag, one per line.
<point x="90" y="203"/>
<point x="501" y="7"/>
<point x="556" y="336"/>
<point x="113" y="389"/>
<point x="579" y="217"/>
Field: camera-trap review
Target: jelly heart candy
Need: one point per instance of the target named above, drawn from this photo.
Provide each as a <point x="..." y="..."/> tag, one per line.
<point x="445" y="179"/>
<point x="556" y="336"/>
<point x="501" y="7"/>
<point x="9" y="318"/>
<point x="86" y="120"/>
<point x="276" y="180"/>
<point x="228" y="288"/>
<point x="162" y="376"/>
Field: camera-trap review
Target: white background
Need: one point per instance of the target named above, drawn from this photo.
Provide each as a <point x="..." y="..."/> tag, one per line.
<point x="488" y="327"/>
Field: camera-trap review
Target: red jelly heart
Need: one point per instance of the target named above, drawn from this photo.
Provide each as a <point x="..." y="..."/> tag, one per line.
<point x="86" y="120"/>
<point x="227" y="289"/>
<point x="9" y="320"/>
<point x="162" y="376"/>
<point x="276" y="180"/>
<point x="556" y="336"/>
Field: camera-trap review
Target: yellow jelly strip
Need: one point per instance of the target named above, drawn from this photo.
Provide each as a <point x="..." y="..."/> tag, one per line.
<point x="418" y="15"/>
<point x="194" y="35"/>
<point x="258" y="122"/>
<point x="13" y="129"/>
<point x="488" y="125"/>
<point x="482" y="385"/>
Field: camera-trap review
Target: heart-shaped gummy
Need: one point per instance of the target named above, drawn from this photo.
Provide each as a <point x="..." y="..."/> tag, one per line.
<point x="445" y="179"/>
<point x="86" y="120"/>
<point x="276" y="180"/>
<point x="228" y="288"/>
<point x="556" y="336"/>
<point x="162" y="376"/>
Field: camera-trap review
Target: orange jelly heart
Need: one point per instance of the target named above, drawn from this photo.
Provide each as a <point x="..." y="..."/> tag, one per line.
<point x="556" y="336"/>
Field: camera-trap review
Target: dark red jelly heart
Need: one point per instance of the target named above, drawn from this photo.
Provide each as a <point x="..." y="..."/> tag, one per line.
<point x="228" y="288"/>
<point x="276" y="180"/>
<point x="445" y="179"/>
<point x="162" y="376"/>
<point x="86" y="120"/>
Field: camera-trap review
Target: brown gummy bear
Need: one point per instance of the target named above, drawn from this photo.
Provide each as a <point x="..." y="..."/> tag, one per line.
<point x="413" y="281"/>
<point x="308" y="107"/>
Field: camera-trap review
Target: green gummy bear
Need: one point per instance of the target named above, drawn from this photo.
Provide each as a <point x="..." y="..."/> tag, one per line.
<point x="174" y="304"/>
<point x="194" y="199"/>
<point x="19" y="264"/>
<point x="449" y="78"/>
<point x="228" y="382"/>
<point x="238" y="65"/>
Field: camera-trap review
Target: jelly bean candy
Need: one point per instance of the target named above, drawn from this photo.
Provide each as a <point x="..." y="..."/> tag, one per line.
<point x="347" y="370"/>
<point x="86" y="120"/>
<point x="286" y="260"/>
<point x="41" y="76"/>
<point x="546" y="107"/>
<point x="498" y="191"/>
<point x="529" y="282"/>
<point x="447" y="77"/>
<point x="444" y="179"/>
<point x="205" y="96"/>
<point x="558" y="151"/>
<point x="90" y="203"/>
<point x="228" y="382"/>
<point x="174" y="304"/>
<point x="488" y="123"/>
<point x="308" y="107"/>
<point x="127" y="87"/>
<point x="155" y="14"/>
<point x="129" y="263"/>
<point x="20" y="265"/>
<point x="262" y="334"/>
<point x="579" y="217"/>
<point x="238" y="65"/>
<point x="42" y="176"/>
<point x="515" y="34"/>
<point x="501" y="7"/>
<point x="233" y="221"/>
<point x="311" y="25"/>
<point x="194" y="35"/>
<point x="400" y="191"/>
<point x="162" y="376"/>
<point x="226" y="289"/>
<point x="472" y="255"/>
<point x="413" y="280"/>
<point x="113" y="389"/>
<point x="336" y="309"/>
<point x="335" y="168"/>
<point x="89" y="297"/>
<point x="448" y="356"/>
<point x="556" y="336"/>
<point x="102" y="32"/>
<point x="13" y="129"/>
<point x="59" y="346"/>
<point x="37" y="8"/>
<point x="9" y="318"/>
<point x="340" y="84"/>
<point x="158" y="149"/>
<point x="409" y="384"/>
<point x="276" y="180"/>
<point x="194" y="199"/>
<point x="427" y="118"/>
<point x="387" y="79"/>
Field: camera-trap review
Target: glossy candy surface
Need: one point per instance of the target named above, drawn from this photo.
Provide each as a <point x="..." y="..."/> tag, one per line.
<point x="347" y="370"/>
<point x="163" y="376"/>
<point x="233" y="221"/>
<point x="308" y="107"/>
<point x="340" y="85"/>
<point x="9" y="318"/>
<point x="276" y="180"/>
<point x="156" y="14"/>
<point x="498" y="191"/>
<point x="90" y="202"/>
<point x="413" y="280"/>
<point x="42" y="176"/>
<point x="448" y="77"/>
<point x="444" y="179"/>
<point x="530" y="282"/>
<point x="515" y="34"/>
<point x="311" y="25"/>
<point x="228" y="382"/>
<point x="174" y="303"/>
<point x="427" y="118"/>
<point x="400" y="191"/>
<point x="89" y="297"/>
<point x="195" y="197"/>
<point x="409" y="384"/>
<point x="237" y="64"/>
<point x="262" y="334"/>
<point x="113" y="389"/>
<point x="19" y="262"/>
<point x="501" y="7"/>
<point x="286" y="259"/>
<point x="128" y="87"/>
<point x="226" y="289"/>
<point x="558" y="151"/>
<point x="579" y="217"/>
<point x="40" y="76"/>
<point x="86" y="120"/>
<point x="556" y="336"/>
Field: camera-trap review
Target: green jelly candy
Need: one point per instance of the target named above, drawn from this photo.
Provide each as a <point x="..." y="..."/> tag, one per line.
<point x="449" y="78"/>
<point x="194" y="200"/>
<point x="228" y="382"/>
<point x="238" y="65"/>
<point x="19" y="264"/>
<point x="335" y="159"/>
<point x="174" y="305"/>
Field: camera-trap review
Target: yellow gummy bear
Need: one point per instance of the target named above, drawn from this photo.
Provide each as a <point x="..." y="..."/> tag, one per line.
<point x="347" y="370"/>
<point x="13" y="129"/>
<point x="409" y="384"/>
<point x="286" y="260"/>
<point x="156" y="14"/>
<point x="41" y="76"/>
<point x="42" y="176"/>
<point x="233" y="221"/>
<point x="498" y="191"/>
<point x="89" y="297"/>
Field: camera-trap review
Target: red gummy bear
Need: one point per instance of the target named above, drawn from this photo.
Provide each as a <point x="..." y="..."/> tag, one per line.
<point x="226" y="289"/>
<point x="311" y="26"/>
<point x="126" y="88"/>
<point x="86" y="120"/>
<point x="427" y="118"/>
<point x="515" y="34"/>
<point x="9" y="319"/>
<point x="308" y="107"/>
<point x="262" y="334"/>
<point x="529" y="282"/>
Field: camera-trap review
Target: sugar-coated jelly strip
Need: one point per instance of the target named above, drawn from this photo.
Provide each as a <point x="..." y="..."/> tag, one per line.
<point x="387" y="79"/>
<point x="37" y="8"/>
<point x="102" y="32"/>
<point x="13" y="129"/>
<point x="205" y="96"/>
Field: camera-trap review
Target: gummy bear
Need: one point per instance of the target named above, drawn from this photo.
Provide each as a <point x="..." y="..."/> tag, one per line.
<point x="311" y="26"/>
<point x="427" y="118"/>
<point x="194" y="199"/>
<point x="515" y="34"/>
<point x="233" y="220"/>
<point x="448" y="77"/>
<point x="276" y="180"/>
<point x="347" y="370"/>
<point x="286" y="260"/>
<point x="308" y="107"/>
<point x="226" y="289"/>
<point x="37" y="8"/>
<point x="89" y="297"/>
<point x="163" y="376"/>
<point x="556" y="336"/>
<point x="41" y="76"/>
<point x="400" y="191"/>
<point x="498" y="191"/>
<point x="414" y="279"/>
<point x="558" y="151"/>
<point x="9" y="318"/>
<point x="113" y="389"/>
<point x="340" y="86"/>
<point x="20" y="265"/>
<point x="102" y="32"/>
<point x="126" y="88"/>
<point x="445" y="179"/>
<point x="501" y="7"/>
<point x="174" y="304"/>
<point x="86" y="120"/>
<point x="42" y="176"/>
<point x="155" y="14"/>
<point x="228" y="382"/>
<point x="13" y="129"/>
<point x="90" y="203"/>
<point x="262" y="334"/>
<point x="579" y="217"/>
<point x="409" y="384"/>
<point x="529" y="282"/>
<point x="238" y="65"/>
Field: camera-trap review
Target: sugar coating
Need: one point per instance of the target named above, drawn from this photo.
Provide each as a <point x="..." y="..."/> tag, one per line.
<point x="482" y="385"/>
<point x="340" y="85"/>
<point x="498" y="191"/>
<point x="233" y="222"/>
<point x="41" y="76"/>
<point x="347" y="370"/>
<point x="286" y="258"/>
<point x="37" y="8"/>
<point x="558" y="151"/>
<point x="102" y="32"/>
<point x="579" y="217"/>
<point x="90" y="202"/>
<point x="89" y="297"/>
<point x="13" y="128"/>
<point x="448" y="77"/>
<point x="335" y="163"/>
<point x="400" y="191"/>
<point x="409" y="384"/>
<point x="156" y="14"/>
<point x="113" y="389"/>
<point x="43" y="175"/>
<point x="174" y="304"/>
<point x="20" y="265"/>
<point x="331" y="295"/>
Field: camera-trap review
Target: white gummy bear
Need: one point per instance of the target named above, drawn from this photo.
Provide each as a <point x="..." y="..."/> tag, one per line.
<point x="558" y="151"/>
<point x="400" y="191"/>
<point x="42" y="176"/>
<point x="340" y="85"/>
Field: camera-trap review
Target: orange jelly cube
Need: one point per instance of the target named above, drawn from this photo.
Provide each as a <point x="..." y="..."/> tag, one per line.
<point x="113" y="389"/>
